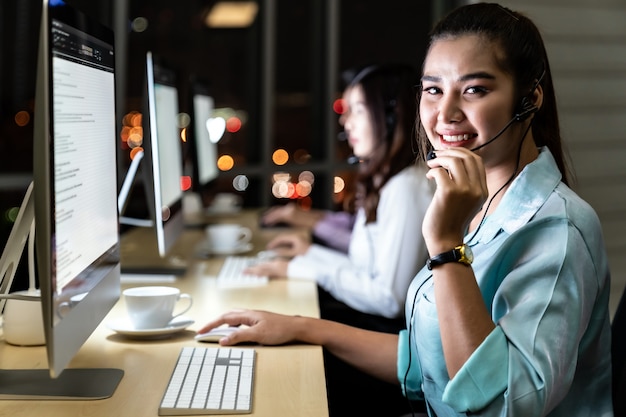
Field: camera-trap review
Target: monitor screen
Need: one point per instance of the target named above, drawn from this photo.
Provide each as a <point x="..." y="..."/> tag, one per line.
<point x="203" y="146"/>
<point x="75" y="196"/>
<point x="163" y="154"/>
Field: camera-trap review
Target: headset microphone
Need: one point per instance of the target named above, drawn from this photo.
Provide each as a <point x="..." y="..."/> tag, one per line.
<point x="353" y="160"/>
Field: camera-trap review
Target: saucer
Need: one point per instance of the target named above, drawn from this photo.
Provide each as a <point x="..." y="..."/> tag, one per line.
<point x="209" y="250"/>
<point x="124" y="327"/>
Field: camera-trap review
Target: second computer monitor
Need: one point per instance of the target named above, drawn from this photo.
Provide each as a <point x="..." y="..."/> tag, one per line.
<point x="163" y="165"/>
<point x="203" y="146"/>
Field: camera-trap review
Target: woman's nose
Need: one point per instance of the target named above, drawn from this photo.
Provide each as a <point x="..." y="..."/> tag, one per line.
<point x="449" y="110"/>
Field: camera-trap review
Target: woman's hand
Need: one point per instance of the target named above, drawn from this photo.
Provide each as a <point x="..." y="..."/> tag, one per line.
<point x="275" y="268"/>
<point x="256" y="326"/>
<point x="289" y="244"/>
<point x="461" y="191"/>
<point x="279" y="214"/>
<point x="292" y="215"/>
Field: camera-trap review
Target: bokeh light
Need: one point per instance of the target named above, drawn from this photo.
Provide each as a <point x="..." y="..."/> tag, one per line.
<point x="225" y="163"/>
<point x="303" y="188"/>
<point x="280" y="157"/>
<point x="283" y="189"/>
<point x="185" y="182"/>
<point x="139" y="24"/>
<point x="307" y="176"/>
<point x="11" y="214"/>
<point x="340" y="185"/>
<point x="233" y="124"/>
<point x="22" y="118"/>
<point x="339" y="106"/>
<point x="135" y="151"/>
<point x="301" y="156"/>
<point x="183" y="119"/>
<point x="241" y="183"/>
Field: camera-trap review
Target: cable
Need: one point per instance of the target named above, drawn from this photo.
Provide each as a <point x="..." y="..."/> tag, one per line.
<point x="519" y="154"/>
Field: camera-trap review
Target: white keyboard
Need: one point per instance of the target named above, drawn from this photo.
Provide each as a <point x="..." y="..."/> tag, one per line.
<point x="231" y="274"/>
<point x="210" y="380"/>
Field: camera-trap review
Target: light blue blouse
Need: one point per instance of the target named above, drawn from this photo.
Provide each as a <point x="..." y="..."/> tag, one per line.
<point x="542" y="268"/>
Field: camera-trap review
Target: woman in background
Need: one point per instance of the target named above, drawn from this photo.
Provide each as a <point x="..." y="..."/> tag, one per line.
<point x="367" y="287"/>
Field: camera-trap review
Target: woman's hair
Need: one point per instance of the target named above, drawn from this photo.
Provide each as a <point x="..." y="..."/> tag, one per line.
<point x="521" y="53"/>
<point x="389" y="94"/>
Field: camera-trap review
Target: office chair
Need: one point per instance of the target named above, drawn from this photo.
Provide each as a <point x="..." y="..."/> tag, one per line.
<point x="618" y="357"/>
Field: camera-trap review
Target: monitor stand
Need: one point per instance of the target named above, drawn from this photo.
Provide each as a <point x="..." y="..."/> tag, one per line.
<point x="71" y="384"/>
<point x="141" y="262"/>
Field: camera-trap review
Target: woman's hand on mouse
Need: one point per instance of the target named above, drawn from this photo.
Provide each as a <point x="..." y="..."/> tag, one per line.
<point x="260" y="327"/>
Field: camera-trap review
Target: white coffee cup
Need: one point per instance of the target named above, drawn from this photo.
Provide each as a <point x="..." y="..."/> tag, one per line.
<point x="226" y="202"/>
<point x="153" y="307"/>
<point x="228" y="236"/>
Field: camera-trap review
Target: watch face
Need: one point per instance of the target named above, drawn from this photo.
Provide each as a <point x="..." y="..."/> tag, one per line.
<point x="467" y="256"/>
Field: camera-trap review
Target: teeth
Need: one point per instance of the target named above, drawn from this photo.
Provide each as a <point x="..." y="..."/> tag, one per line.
<point x="455" y="138"/>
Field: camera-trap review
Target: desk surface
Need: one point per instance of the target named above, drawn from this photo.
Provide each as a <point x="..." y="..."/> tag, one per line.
<point x="289" y="380"/>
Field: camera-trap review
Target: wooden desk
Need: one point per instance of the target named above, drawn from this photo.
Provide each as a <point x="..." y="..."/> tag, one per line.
<point x="289" y="380"/>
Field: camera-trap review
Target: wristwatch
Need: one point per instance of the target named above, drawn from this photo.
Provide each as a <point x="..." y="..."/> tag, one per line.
<point x="462" y="253"/>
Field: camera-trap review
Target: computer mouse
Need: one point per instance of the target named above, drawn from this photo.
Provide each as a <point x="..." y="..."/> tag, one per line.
<point x="214" y="335"/>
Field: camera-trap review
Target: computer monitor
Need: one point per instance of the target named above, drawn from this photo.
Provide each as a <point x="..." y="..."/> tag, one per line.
<point x="203" y="147"/>
<point x="75" y="203"/>
<point x="163" y="162"/>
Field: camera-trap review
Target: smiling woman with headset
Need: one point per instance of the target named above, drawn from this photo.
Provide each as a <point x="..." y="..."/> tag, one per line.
<point x="510" y="314"/>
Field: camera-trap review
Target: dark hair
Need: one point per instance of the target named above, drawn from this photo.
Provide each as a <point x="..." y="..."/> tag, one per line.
<point x="389" y="94"/>
<point x="522" y="54"/>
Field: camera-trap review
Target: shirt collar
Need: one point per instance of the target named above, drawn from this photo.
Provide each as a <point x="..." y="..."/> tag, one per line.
<point x="527" y="193"/>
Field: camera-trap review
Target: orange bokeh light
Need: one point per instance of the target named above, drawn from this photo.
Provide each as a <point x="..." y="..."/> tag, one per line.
<point x="280" y="157"/>
<point x="135" y="151"/>
<point x="22" y="118"/>
<point x="225" y="162"/>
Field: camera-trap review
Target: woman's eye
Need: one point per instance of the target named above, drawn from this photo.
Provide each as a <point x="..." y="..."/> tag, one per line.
<point x="475" y="90"/>
<point x="431" y="90"/>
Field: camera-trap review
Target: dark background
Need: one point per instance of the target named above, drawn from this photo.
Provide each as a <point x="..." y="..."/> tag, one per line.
<point x="229" y="60"/>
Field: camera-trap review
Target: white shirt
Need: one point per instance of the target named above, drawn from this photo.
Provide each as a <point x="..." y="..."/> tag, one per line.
<point x="383" y="256"/>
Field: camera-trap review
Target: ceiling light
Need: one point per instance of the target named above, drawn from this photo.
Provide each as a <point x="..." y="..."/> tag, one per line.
<point x="232" y="14"/>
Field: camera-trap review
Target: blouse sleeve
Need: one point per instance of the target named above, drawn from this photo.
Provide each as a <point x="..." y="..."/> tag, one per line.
<point x="335" y="230"/>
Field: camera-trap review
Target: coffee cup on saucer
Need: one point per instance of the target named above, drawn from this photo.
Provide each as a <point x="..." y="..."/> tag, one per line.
<point x="227" y="237"/>
<point x="225" y="203"/>
<point x="153" y="307"/>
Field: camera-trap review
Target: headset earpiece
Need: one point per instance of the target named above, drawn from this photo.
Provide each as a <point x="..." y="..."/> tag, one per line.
<point x="526" y="109"/>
